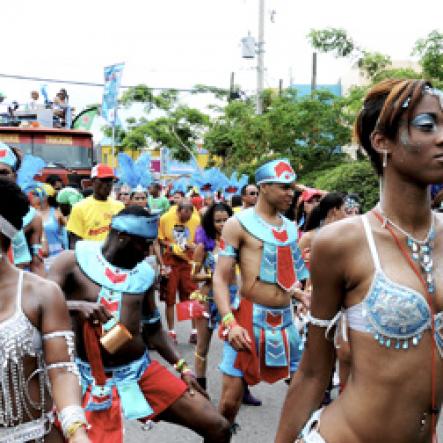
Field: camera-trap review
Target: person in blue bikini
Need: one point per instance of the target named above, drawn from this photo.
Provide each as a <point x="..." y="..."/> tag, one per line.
<point x="381" y="273"/>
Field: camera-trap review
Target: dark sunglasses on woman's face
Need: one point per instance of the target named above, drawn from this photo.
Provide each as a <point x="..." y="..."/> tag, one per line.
<point x="253" y="193"/>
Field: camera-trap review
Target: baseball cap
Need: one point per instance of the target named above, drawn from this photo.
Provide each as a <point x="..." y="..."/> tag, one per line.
<point x="308" y="193"/>
<point x="102" y="171"/>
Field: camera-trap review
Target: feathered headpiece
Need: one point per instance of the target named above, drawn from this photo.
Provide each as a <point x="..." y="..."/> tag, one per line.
<point x="136" y="174"/>
<point x="30" y="167"/>
<point x="181" y="185"/>
<point x="210" y="180"/>
<point x="235" y="185"/>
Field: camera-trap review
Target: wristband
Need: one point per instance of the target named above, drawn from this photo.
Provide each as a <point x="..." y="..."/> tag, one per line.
<point x="73" y="428"/>
<point x="181" y="365"/>
<point x="228" y="319"/>
<point x="197" y="295"/>
<point x="69" y="418"/>
<point x="36" y="249"/>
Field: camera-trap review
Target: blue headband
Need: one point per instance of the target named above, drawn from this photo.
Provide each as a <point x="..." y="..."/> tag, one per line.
<point x="7" y="156"/>
<point x="275" y="171"/>
<point x="146" y="227"/>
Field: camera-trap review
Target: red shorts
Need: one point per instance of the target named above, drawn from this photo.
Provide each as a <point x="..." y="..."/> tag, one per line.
<point x="160" y="388"/>
<point x="178" y="280"/>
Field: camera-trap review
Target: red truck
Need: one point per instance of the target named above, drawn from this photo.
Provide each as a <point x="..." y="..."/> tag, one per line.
<point x="67" y="152"/>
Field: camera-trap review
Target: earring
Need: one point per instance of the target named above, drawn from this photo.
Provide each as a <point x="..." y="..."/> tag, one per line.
<point x="385" y="158"/>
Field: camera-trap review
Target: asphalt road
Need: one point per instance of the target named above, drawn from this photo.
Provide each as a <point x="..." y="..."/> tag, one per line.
<point x="258" y="424"/>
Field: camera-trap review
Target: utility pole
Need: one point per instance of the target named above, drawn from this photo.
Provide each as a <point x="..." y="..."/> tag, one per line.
<point x="314" y="72"/>
<point x="260" y="56"/>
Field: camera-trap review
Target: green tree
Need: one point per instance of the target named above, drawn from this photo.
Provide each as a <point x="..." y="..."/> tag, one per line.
<point x="351" y="176"/>
<point x="308" y="130"/>
<point x="430" y="51"/>
<point x="179" y="127"/>
<point x="335" y="40"/>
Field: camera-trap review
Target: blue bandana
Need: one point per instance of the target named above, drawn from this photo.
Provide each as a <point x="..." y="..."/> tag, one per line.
<point x="275" y="171"/>
<point x="146" y="227"/>
<point x="7" y="156"/>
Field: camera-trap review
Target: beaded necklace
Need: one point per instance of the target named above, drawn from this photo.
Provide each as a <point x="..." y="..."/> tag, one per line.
<point x="421" y="250"/>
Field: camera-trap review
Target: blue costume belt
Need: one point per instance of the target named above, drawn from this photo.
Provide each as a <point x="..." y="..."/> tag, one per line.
<point x="274" y="328"/>
<point x="125" y="378"/>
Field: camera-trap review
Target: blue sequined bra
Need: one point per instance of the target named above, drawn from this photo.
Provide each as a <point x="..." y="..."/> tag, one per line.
<point x="395" y="315"/>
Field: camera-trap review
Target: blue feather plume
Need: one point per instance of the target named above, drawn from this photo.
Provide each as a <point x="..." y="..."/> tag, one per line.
<point x="136" y="173"/>
<point x="181" y="185"/>
<point x="30" y="167"/>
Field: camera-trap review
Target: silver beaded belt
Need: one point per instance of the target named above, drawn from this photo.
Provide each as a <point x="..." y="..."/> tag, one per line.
<point x="31" y="430"/>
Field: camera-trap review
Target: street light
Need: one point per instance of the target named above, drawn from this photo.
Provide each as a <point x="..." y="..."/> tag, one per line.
<point x="250" y="48"/>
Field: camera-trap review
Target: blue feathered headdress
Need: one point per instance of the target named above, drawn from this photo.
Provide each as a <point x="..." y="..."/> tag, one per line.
<point x="210" y="180"/>
<point x="134" y="174"/>
<point x="30" y="167"/>
<point x="181" y="185"/>
<point x="235" y="184"/>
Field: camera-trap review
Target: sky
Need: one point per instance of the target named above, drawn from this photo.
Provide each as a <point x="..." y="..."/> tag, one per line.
<point x="179" y="43"/>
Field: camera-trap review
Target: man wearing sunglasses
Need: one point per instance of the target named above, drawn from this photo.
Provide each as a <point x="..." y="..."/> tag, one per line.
<point x="90" y="219"/>
<point x="249" y="194"/>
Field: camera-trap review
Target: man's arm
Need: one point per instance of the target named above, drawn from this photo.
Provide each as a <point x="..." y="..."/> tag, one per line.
<point x="73" y="239"/>
<point x="312" y="377"/>
<point x="237" y="336"/>
<point x="75" y="226"/>
<point x="60" y="272"/>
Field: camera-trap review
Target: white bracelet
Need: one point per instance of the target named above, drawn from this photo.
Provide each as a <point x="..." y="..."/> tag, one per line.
<point x="69" y="415"/>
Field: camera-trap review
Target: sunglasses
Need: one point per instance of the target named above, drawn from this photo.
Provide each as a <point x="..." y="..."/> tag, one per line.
<point x="253" y="193"/>
<point x="124" y="193"/>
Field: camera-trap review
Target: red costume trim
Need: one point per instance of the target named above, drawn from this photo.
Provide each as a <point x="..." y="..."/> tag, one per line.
<point x="249" y="362"/>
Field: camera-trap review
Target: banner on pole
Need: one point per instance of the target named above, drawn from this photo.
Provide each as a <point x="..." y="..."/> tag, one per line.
<point x="113" y="75"/>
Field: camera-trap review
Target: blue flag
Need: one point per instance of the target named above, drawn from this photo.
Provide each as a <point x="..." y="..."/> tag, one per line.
<point x="113" y="75"/>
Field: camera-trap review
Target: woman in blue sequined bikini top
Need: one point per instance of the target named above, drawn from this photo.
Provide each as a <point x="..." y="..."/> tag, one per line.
<point x="382" y="274"/>
<point x="394" y="314"/>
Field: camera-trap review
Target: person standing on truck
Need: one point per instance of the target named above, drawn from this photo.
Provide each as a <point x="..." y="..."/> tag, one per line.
<point x="90" y="219"/>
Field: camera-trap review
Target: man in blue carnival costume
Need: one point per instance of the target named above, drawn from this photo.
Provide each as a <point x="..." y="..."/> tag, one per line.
<point x="261" y="341"/>
<point x="26" y="246"/>
<point x="109" y="288"/>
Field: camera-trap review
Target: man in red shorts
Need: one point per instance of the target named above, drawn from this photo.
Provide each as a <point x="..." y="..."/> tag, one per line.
<point x="176" y="235"/>
<point x="109" y="288"/>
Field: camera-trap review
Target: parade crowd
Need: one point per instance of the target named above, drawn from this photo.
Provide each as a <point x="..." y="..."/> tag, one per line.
<point x="298" y="285"/>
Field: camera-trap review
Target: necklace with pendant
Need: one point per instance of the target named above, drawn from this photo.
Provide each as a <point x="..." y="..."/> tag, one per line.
<point x="421" y="250"/>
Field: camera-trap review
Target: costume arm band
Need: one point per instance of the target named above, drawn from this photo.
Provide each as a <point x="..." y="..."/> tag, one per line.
<point x="228" y="251"/>
<point x="328" y="324"/>
<point x="70" y="365"/>
<point x="151" y="319"/>
<point x="36" y="249"/>
<point x="72" y="418"/>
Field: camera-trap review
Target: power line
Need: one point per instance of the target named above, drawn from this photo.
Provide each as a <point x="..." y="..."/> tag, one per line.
<point x="74" y="82"/>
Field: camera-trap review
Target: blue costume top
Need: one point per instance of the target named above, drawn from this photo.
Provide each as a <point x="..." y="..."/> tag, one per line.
<point x="115" y="281"/>
<point x="394" y="314"/>
<point x="281" y="261"/>
<point x="53" y="233"/>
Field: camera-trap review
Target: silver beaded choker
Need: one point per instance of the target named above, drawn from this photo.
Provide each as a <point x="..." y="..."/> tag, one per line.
<point x="421" y="250"/>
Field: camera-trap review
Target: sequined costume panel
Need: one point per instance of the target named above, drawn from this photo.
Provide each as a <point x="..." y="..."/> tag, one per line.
<point x="394" y="314"/>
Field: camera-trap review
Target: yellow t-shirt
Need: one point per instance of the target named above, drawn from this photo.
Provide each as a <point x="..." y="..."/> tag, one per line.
<point x="173" y="230"/>
<point x="90" y="218"/>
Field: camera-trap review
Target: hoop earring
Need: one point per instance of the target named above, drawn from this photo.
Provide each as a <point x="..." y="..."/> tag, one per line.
<point x="385" y="158"/>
